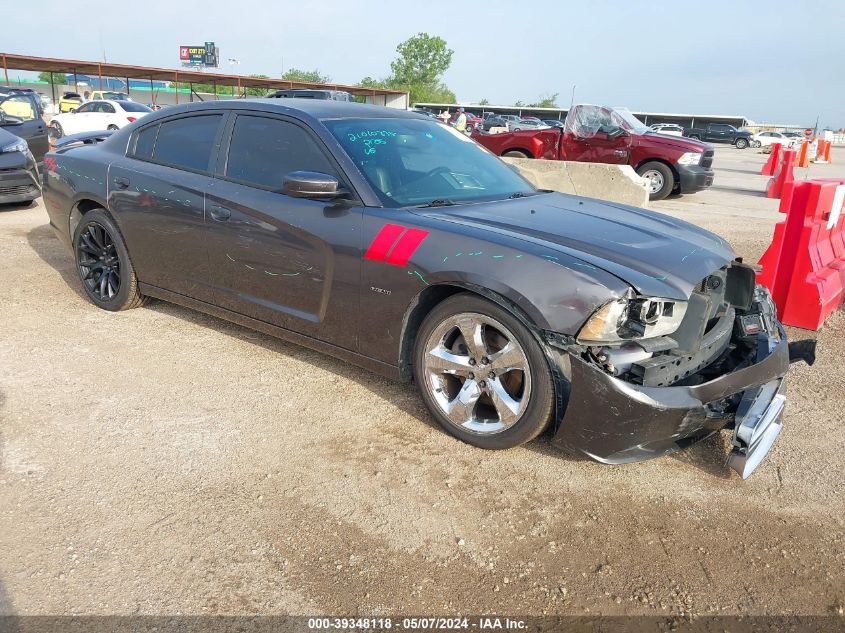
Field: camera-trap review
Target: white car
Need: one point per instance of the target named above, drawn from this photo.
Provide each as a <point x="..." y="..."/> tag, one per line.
<point x="94" y="116"/>
<point x="762" y="139"/>
<point x="670" y="129"/>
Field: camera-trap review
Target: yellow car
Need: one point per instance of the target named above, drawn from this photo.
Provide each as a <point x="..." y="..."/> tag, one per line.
<point x="99" y="95"/>
<point x="69" y="101"/>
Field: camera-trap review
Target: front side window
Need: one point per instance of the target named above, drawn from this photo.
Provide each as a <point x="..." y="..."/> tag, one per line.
<point x="263" y="150"/>
<point x="85" y="107"/>
<point x="187" y="142"/>
<point x="413" y="162"/>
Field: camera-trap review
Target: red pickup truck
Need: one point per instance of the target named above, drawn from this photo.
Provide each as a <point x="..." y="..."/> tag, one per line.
<point x="598" y="134"/>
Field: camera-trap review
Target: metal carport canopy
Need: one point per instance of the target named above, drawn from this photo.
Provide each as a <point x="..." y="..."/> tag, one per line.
<point x="104" y="69"/>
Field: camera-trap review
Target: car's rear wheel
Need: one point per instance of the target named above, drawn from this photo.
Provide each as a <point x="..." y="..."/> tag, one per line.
<point x="515" y="153"/>
<point x="695" y="137"/>
<point x="661" y="180"/>
<point x="113" y="127"/>
<point x="741" y="143"/>
<point x="103" y="263"/>
<point x="482" y="374"/>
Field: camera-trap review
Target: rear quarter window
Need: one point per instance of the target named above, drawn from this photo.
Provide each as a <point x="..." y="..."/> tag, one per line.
<point x="144" y="143"/>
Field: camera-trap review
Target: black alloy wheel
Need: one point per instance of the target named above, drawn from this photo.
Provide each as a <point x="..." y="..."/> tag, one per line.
<point x="98" y="262"/>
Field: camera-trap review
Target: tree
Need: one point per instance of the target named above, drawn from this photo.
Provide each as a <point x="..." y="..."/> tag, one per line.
<point x="422" y="59"/>
<point x="314" y="76"/>
<point x="484" y="102"/>
<point x="549" y="101"/>
<point x="45" y="77"/>
<point x="519" y="104"/>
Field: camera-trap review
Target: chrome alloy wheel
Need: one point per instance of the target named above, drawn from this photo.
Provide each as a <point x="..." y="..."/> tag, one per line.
<point x="477" y="373"/>
<point x="655" y="180"/>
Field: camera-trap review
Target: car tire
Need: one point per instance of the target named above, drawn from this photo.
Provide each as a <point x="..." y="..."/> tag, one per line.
<point x="515" y="153"/>
<point x="58" y="132"/>
<point x="695" y="137"/>
<point x="741" y="143"/>
<point x="660" y="177"/>
<point x="102" y="261"/>
<point x="113" y="128"/>
<point x="499" y="408"/>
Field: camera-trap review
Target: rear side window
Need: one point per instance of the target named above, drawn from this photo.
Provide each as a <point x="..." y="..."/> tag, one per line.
<point x="264" y="150"/>
<point x="145" y="142"/>
<point x="187" y="142"/>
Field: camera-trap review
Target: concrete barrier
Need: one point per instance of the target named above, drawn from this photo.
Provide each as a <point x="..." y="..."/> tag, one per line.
<point x="616" y="183"/>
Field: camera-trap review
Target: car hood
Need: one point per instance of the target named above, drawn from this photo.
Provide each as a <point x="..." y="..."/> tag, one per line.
<point x="656" y="254"/>
<point x="7" y="138"/>
<point x="678" y="142"/>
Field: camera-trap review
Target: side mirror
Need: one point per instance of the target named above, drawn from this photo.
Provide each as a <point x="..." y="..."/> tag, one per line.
<point x="311" y="184"/>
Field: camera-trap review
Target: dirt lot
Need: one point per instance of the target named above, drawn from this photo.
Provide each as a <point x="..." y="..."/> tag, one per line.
<point x="161" y="461"/>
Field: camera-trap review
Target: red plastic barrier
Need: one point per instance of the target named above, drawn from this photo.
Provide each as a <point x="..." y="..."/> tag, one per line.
<point x="774" y="159"/>
<point x="783" y="174"/>
<point x="802" y="266"/>
<point x="803" y="154"/>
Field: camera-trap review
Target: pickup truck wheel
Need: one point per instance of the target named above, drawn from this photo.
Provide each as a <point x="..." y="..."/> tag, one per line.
<point x="482" y="374"/>
<point x="695" y="137"/>
<point x="741" y="143"/>
<point x="661" y="180"/>
<point x="515" y="153"/>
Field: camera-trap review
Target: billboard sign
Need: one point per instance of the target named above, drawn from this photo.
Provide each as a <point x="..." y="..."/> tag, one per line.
<point x="205" y="55"/>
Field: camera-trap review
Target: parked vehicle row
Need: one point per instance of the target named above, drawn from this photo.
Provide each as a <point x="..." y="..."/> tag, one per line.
<point x="611" y="326"/>
<point x="600" y="134"/>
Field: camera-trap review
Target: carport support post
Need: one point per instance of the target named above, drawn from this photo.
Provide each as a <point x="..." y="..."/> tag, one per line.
<point x="75" y="82"/>
<point x="152" y="94"/>
<point x="100" y="75"/>
<point x="191" y="91"/>
<point x="5" y="69"/>
<point x="176" y="85"/>
<point x="128" y="90"/>
<point x="239" y="87"/>
<point x="53" y="88"/>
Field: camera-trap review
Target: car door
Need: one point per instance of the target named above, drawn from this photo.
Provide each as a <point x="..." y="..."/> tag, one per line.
<point x="78" y="120"/>
<point x="157" y="192"/>
<point x="292" y="262"/>
<point x="106" y="115"/>
<point x="594" y="135"/>
<point x="22" y="119"/>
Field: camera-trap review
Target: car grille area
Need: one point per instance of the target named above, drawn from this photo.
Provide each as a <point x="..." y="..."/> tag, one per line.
<point x="17" y="190"/>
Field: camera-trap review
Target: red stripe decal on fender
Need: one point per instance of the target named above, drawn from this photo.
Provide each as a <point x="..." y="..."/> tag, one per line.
<point x="406" y="246"/>
<point x="382" y="242"/>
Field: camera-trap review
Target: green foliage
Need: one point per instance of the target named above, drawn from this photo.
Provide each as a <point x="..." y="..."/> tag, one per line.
<point x="549" y="101"/>
<point x="484" y="102"/>
<point x="257" y="92"/>
<point x="422" y="60"/>
<point x="314" y="76"/>
<point x="519" y="104"/>
<point x="45" y="76"/>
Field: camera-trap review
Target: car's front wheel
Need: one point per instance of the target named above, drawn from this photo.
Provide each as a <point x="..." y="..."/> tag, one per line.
<point x="482" y="374"/>
<point x="113" y="128"/>
<point x="741" y="143"/>
<point x="102" y="261"/>
<point x="661" y="180"/>
<point x="56" y="129"/>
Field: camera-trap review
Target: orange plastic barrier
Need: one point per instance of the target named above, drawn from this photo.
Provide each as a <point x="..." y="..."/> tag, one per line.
<point x="783" y="174"/>
<point x="774" y="159"/>
<point x="804" y="267"/>
<point x="803" y="154"/>
<point x="823" y="152"/>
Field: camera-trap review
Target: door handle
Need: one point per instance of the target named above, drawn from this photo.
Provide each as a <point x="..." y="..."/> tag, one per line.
<point x="121" y="183"/>
<point x="221" y="214"/>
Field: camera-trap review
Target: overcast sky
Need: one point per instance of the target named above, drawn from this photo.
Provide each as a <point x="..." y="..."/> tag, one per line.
<point x="775" y="60"/>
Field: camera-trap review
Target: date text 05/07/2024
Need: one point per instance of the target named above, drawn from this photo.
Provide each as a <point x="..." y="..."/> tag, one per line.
<point x="418" y="624"/>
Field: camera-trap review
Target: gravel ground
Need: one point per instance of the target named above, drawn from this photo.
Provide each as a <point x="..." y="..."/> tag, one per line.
<point x="160" y="461"/>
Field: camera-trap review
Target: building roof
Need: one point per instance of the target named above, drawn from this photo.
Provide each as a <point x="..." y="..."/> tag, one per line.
<point x="124" y="71"/>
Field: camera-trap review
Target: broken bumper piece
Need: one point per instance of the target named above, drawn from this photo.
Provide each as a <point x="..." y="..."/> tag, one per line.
<point x="617" y="422"/>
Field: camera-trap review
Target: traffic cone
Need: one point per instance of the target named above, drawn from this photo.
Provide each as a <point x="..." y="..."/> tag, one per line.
<point x="803" y="155"/>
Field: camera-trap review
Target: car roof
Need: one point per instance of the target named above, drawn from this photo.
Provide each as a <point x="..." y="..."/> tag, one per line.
<point x="320" y="109"/>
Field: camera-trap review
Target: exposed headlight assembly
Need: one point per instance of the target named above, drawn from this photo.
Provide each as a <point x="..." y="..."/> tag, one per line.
<point x="690" y="158"/>
<point x="630" y="319"/>
<point x="15" y="146"/>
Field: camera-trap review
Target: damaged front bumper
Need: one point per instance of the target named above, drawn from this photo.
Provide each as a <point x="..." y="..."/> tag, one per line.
<point x="638" y="422"/>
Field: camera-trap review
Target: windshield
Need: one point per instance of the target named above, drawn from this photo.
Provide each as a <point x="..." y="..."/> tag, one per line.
<point x="116" y="96"/>
<point x="414" y="162"/>
<point x="633" y="124"/>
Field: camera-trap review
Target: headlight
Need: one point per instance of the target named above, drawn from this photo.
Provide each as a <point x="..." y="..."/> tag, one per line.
<point x="15" y="146"/>
<point x="628" y="319"/>
<point x="690" y="158"/>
